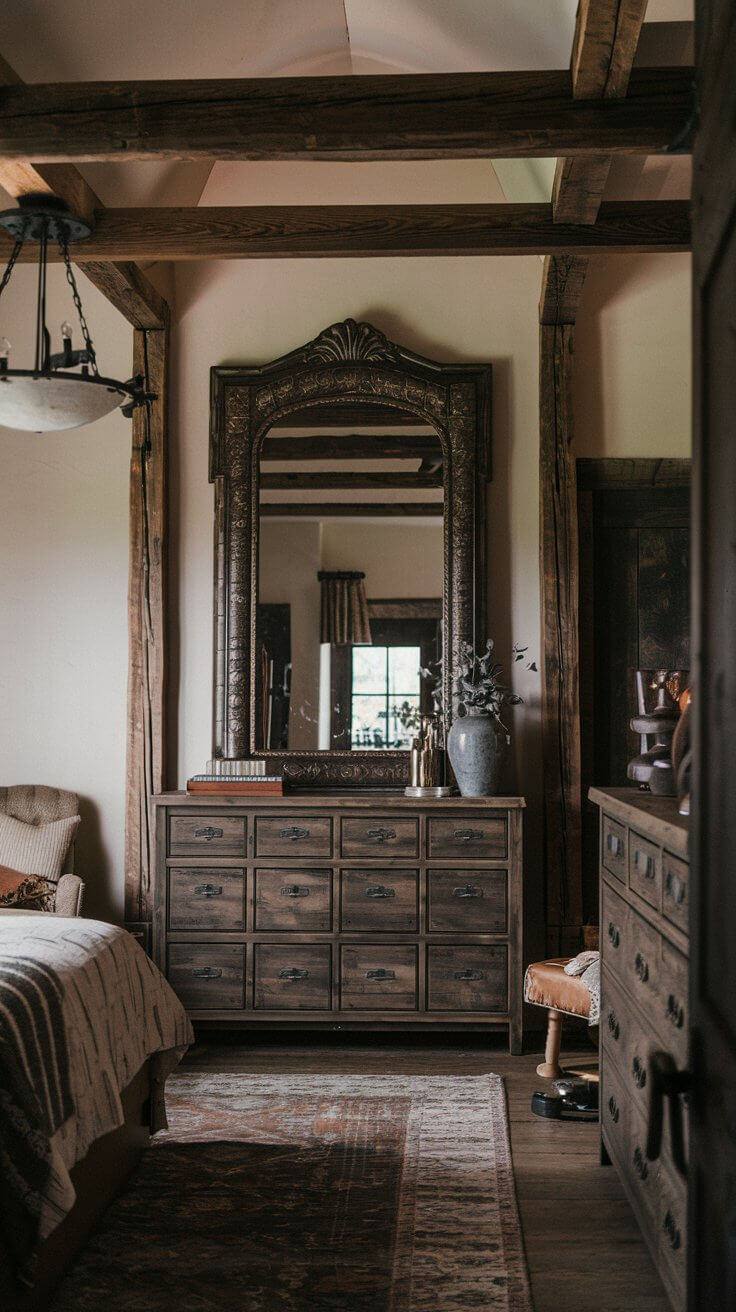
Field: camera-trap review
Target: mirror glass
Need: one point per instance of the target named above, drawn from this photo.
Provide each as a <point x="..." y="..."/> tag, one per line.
<point x="350" y="578"/>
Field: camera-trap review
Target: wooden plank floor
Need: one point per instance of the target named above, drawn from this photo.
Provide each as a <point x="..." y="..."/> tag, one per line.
<point x="583" y="1245"/>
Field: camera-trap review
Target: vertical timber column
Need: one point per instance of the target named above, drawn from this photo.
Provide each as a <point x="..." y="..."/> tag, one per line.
<point x="559" y="603"/>
<point x="146" y="738"/>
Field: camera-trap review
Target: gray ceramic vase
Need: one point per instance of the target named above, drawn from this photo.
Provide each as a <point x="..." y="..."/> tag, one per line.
<point x="478" y="751"/>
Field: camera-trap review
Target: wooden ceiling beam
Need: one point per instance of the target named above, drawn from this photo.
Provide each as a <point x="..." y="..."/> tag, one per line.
<point x="406" y="116"/>
<point x="277" y="232"/>
<point x="353" y="479"/>
<point x="351" y="446"/>
<point x="124" y="285"/>
<point x="606" y="36"/>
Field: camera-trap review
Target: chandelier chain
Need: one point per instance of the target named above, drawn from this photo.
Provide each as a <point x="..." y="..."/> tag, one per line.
<point x="11" y="264"/>
<point x="78" y="304"/>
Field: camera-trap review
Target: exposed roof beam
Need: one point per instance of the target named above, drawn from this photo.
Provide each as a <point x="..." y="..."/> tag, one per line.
<point x="353" y="479"/>
<point x="562" y="282"/>
<point x="124" y="285"/>
<point x="606" y="36"/>
<point x="276" y="232"/>
<point x="351" y="446"/>
<point x="407" y="116"/>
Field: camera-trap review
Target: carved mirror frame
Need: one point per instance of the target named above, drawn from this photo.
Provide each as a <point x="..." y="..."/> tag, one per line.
<point x="348" y="364"/>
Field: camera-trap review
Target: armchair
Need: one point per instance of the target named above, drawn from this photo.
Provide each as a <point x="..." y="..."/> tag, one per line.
<point x="38" y="804"/>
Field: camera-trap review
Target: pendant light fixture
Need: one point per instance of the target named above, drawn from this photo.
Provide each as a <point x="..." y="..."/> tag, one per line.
<point x="50" y="397"/>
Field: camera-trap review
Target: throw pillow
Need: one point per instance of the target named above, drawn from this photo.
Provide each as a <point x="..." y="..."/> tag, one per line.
<point x="20" y="890"/>
<point x="36" y="849"/>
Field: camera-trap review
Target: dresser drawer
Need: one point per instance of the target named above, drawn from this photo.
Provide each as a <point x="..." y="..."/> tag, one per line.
<point x="614" y="930"/>
<point x="220" y="835"/>
<point x="206" y="897"/>
<point x="673" y="994"/>
<point x="293" y="899"/>
<point x="614" y="1112"/>
<point x="378" y="836"/>
<point x="380" y="900"/>
<point x="675" y="890"/>
<point x="672" y="1235"/>
<point x="613" y="847"/>
<point x="645" y="869"/>
<point x="291" y="977"/>
<point x="283" y="835"/>
<point x="615" y="1023"/>
<point x="374" y="978"/>
<point x="468" y="901"/>
<point x="208" y="976"/>
<point x="477" y="838"/>
<point x="463" y="978"/>
<point x="641" y="961"/>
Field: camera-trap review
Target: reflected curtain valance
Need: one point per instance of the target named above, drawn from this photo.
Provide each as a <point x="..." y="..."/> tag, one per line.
<point x="344" y="608"/>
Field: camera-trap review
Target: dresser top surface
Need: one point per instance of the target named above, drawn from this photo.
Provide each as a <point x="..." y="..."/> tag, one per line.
<point x="657" y="816"/>
<point x="350" y="800"/>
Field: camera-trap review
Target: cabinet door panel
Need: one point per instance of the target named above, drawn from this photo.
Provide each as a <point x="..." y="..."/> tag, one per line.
<point x="217" y="835"/>
<point x="292" y="977"/>
<point x="208" y="976"/>
<point x="203" y="897"/>
<point x="293" y="899"/>
<point x="378" y="978"/>
<point x="475" y="838"/>
<point x="467" y="978"/>
<point x="469" y="901"/>
<point x="380" y="900"/>
<point x="293" y="835"/>
<point x="379" y="836"/>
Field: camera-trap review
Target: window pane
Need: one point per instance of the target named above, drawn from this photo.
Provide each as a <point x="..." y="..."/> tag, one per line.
<point x="403" y="721"/>
<point x="368" y="729"/>
<point x="403" y="671"/>
<point x="369" y="669"/>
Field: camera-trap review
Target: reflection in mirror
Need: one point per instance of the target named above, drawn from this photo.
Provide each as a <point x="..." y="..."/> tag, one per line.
<point x="350" y="582"/>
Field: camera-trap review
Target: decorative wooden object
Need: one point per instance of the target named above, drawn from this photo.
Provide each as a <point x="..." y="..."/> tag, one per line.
<point x="405" y="116"/>
<point x="313" y="231"/>
<point x="644" y="1009"/>
<point x="146" y="739"/>
<point x="348" y="364"/>
<point x="344" y="910"/>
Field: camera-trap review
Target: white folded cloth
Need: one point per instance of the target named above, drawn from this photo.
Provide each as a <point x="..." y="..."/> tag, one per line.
<point x="588" y="966"/>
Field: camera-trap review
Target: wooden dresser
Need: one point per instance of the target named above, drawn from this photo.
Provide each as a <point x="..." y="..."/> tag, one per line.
<point x="644" y="1005"/>
<point x="341" y="910"/>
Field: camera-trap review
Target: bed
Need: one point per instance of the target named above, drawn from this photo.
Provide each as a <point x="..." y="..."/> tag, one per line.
<point x="89" y="1031"/>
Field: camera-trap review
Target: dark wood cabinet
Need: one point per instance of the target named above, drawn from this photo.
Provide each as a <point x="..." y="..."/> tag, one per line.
<point x="342" y="909"/>
<point x="644" y="1006"/>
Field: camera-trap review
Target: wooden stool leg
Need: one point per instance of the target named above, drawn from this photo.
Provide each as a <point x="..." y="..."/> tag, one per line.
<point x="550" y="1067"/>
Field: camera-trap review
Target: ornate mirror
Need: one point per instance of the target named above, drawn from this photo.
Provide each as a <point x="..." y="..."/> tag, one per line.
<point x="349" y="532"/>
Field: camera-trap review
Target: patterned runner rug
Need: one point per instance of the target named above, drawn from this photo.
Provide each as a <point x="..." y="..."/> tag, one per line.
<point x="315" y="1194"/>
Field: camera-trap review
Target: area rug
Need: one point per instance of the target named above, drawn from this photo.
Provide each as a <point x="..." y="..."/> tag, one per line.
<point x="315" y="1194"/>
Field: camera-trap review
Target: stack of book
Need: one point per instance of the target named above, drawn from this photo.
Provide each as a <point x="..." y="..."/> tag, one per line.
<point x="234" y="777"/>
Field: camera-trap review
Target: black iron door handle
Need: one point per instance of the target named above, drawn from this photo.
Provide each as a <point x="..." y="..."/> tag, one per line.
<point x="645" y="863"/>
<point x="468" y="835"/>
<point x="294" y="890"/>
<point x="613" y="1025"/>
<point x="208" y="890"/>
<point x="293" y="833"/>
<point x="638" y="1072"/>
<point x="641" y="967"/>
<point x="615" y="845"/>
<point x="667" y="1084"/>
<point x="675" y="888"/>
<point x="293" y="972"/>
<point x="467" y="890"/>
<point x="206" y="972"/>
<point x="466" y="976"/>
<point x="379" y="891"/>
<point x="380" y="974"/>
<point x="208" y="833"/>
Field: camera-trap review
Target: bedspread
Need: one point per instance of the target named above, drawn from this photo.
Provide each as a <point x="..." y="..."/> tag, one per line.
<point x="116" y="1011"/>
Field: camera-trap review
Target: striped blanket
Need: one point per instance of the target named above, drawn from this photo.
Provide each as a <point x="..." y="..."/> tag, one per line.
<point x="35" y="1094"/>
<point x="81" y="1009"/>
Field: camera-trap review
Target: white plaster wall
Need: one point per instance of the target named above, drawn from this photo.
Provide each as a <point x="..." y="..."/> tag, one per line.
<point x="63" y="595"/>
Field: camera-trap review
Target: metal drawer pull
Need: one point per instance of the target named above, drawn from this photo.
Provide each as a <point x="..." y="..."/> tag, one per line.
<point x="641" y="967"/>
<point x="669" y="1226"/>
<point x="613" y="1109"/>
<point x="208" y="890"/>
<point x="380" y="974"/>
<point x="294" y="833"/>
<point x="466" y="976"/>
<point x="667" y="1083"/>
<point x="380" y="835"/>
<point x="644" y="862"/>
<point x="640" y="1165"/>
<point x="615" y="844"/>
<point x="675" y="888"/>
<point x="468" y="835"/>
<point x="638" y="1071"/>
<point x="614" y="934"/>
<point x="294" y="890"/>
<point x="613" y="1025"/>
<point x="207" y="972"/>
<point x="293" y="972"/>
<point x="380" y="890"/>
<point x="467" y="890"/>
<point x="675" y="1012"/>
<point x="208" y="833"/>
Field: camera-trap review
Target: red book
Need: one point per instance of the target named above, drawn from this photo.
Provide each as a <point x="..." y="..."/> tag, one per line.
<point x="234" y="787"/>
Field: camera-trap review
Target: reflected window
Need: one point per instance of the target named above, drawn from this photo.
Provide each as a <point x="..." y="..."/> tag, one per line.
<point x="385" y="699"/>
